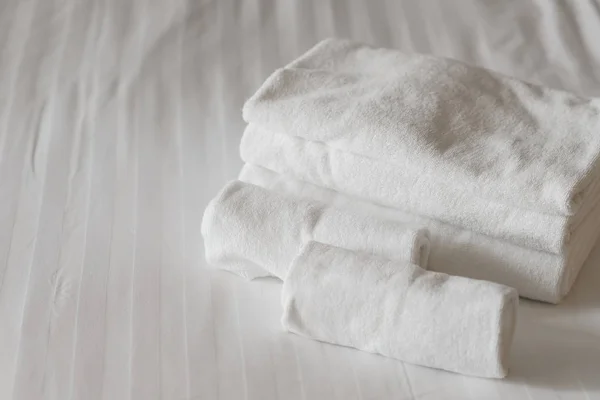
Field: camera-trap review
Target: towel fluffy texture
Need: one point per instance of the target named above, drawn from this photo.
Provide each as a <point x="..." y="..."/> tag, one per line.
<point x="490" y="135"/>
<point x="535" y="274"/>
<point x="399" y="310"/>
<point x="387" y="184"/>
<point x="255" y="232"/>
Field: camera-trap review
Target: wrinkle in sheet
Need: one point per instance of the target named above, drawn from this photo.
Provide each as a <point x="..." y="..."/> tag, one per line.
<point x="127" y="47"/>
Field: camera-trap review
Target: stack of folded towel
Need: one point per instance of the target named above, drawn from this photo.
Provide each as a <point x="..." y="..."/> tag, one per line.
<point x="505" y="174"/>
<point x="365" y="167"/>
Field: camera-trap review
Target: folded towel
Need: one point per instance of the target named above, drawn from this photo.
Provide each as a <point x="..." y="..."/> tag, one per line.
<point x="441" y="120"/>
<point x="535" y="274"/>
<point x="386" y="184"/>
<point x="399" y="310"/>
<point x="255" y="232"/>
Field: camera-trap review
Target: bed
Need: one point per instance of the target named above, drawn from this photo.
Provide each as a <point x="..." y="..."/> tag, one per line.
<point x="120" y="119"/>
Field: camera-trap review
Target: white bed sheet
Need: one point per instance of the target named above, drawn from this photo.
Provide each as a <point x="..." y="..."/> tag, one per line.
<point x="119" y="119"/>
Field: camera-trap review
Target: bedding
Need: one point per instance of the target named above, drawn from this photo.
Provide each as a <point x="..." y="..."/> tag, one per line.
<point x="120" y="120"/>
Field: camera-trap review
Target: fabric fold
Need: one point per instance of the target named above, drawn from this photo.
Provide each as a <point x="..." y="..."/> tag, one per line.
<point x="535" y="274"/>
<point x="492" y="136"/>
<point x="386" y="184"/>
<point x="255" y="232"/>
<point x="399" y="310"/>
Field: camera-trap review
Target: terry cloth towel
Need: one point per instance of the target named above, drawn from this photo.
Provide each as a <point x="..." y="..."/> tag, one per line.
<point x="254" y="232"/>
<point x="399" y="310"/>
<point x="386" y="184"/>
<point x="535" y="274"/>
<point x="492" y="136"/>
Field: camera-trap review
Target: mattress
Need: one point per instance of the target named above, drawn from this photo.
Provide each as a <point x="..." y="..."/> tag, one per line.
<point x="119" y="119"/>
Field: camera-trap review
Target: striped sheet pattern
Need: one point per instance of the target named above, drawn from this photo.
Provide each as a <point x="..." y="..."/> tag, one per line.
<point x="119" y="119"/>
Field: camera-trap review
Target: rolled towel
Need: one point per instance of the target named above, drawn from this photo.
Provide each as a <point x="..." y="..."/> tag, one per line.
<point x="493" y="136"/>
<point x="254" y="232"/>
<point x="399" y="310"/>
<point x="535" y="274"/>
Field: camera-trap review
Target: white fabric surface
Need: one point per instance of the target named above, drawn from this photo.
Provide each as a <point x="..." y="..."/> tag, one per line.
<point x="439" y="119"/>
<point x="121" y="119"/>
<point x="399" y="310"/>
<point x="387" y="184"/>
<point x="535" y="274"/>
<point x="254" y="232"/>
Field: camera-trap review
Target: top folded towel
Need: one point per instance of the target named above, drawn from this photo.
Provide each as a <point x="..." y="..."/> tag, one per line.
<point x="493" y="136"/>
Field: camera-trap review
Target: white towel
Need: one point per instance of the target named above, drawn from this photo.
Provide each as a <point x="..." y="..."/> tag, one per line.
<point x="255" y="232"/>
<point x="399" y="310"/>
<point x="386" y="184"/>
<point x="535" y="274"/>
<point x="490" y="135"/>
